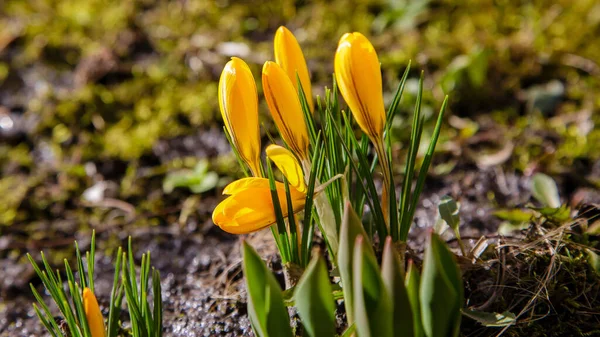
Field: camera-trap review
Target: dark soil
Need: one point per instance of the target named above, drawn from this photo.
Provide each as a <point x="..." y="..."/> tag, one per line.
<point x="200" y="267"/>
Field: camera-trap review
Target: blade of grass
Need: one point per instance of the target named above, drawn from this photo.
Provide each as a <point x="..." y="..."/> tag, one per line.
<point x="293" y="235"/>
<point x="427" y="162"/>
<point x="308" y="206"/>
<point x="415" y="138"/>
<point x="283" y="236"/>
<point x="397" y="96"/>
<point x="157" y="293"/>
<point x="116" y="297"/>
<point x="364" y="173"/>
<point x="91" y="261"/>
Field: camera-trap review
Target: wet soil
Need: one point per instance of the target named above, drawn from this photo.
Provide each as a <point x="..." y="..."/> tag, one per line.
<point x="203" y="289"/>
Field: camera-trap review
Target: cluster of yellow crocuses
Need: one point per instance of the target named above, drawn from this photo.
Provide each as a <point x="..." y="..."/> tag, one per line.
<point x="249" y="206"/>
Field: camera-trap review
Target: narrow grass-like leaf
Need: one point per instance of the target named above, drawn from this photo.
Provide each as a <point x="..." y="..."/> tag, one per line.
<point x="349" y="331"/>
<point x="308" y="223"/>
<point x="157" y="293"/>
<point x="363" y="172"/>
<point x="425" y="168"/>
<point x="116" y="297"/>
<point x="46" y="321"/>
<point x="308" y="117"/>
<point x="293" y="235"/>
<point x="77" y="300"/>
<point x="80" y="269"/>
<point x="415" y="139"/>
<point x="314" y="300"/>
<point x="392" y="202"/>
<point x="397" y="96"/>
<point x="283" y="236"/>
<point x="54" y="329"/>
<point x="91" y="262"/>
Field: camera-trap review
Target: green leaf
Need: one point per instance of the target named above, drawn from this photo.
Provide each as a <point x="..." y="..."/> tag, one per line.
<point x="545" y="191"/>
<point x="314" y="300"/>
<point x="198" y="180"/>
<point x="441" y="293"/>
<point x="351" y="228"/>
<point x="491" y="319"/>
<point x="372" y="305"/>
<point x="449" y="212"/>
<point x="514" y="215"/>
<point x="594" y="261"/>
<point x="413" y="283"/>
<point x="267" y="312"/>
<point x="562" y="213"/>
<point x="393" y="279"/>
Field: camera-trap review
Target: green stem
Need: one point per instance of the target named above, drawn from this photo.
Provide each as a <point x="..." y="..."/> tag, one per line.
<point x="327" y="223"/>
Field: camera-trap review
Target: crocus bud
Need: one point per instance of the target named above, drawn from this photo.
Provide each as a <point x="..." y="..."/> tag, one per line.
<point x="358" y="75"/>
<point x="93" y="314"/>
<point x="289" y="56"/>
<point x="285" y="108"/>
<point x="238" y="101"/>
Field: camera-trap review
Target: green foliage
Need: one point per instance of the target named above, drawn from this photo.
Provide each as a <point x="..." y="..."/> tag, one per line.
<point x="145" y="320"/>
<point x="449" y="212"/>
<point x="314" y="300"/>
<point x="491" y="319"/>
<point x="441" y="291"/>
<point x="379" y="301"/>
<point x="448" y="209"/>
<point x="267" y="313"/>
<point x="545" y="191"/>
<point x="413" y="282"/>
<point x="392" y="274"/>
<point x="373" y="309"/>
<point x="350" y="230"/>
<point x="198" y="180"/>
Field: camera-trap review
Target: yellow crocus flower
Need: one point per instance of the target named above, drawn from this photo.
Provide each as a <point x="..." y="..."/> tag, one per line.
<point x="285" y="108"/>
<point x="358" y="75"/>
<point x="93" y="314"/>
<point x="289" y="56"/>
<point x="250" y="206"/>
<point x="238" y="101"/>
<point x="287" y="163"/>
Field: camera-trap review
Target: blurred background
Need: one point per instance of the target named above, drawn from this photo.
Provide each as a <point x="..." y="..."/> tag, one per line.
<point x="109" y="120"/>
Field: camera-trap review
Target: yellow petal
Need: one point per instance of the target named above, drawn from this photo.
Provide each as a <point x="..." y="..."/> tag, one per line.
<point x="245" y="183"/>
<point x="93" y="314"/>
<point x="238" y="102"/>
<point x="288" y="165"/>
<point x="285" y="108"/>
<point x="289" y="56"/>
<point x="358" y="75"/>
<point x="251" y="209"/>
